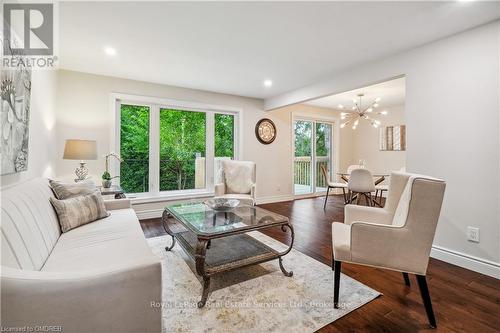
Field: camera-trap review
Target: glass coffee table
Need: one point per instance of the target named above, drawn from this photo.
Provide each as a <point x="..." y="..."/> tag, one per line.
<point x="218" y="242"/>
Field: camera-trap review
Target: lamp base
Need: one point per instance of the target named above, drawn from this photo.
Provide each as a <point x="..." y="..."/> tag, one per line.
<point x="81" y="172"/>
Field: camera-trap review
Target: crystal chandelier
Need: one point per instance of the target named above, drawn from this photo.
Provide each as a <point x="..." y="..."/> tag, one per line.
<point x="359" y="112"/>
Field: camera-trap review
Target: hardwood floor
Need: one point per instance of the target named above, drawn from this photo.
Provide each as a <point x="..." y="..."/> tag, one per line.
<point x="464" y="301"/>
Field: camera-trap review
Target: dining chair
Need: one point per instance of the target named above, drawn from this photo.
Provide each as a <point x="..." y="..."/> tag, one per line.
<point x="397" y="237"/>
<point x="354" y="167"/>
<point x="330" y="184"/>
<point x="361" y="183"/>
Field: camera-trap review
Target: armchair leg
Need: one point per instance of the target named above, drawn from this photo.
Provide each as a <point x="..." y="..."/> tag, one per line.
<point x="426" y="298"/>
<point x="336" y="283"/>
<point x="406" y="278"/>
<point x="326" y="197"/>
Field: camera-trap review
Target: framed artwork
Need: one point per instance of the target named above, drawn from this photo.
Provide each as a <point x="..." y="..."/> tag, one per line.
<point x="393" y="138"/>
<point x="15" y="93"/>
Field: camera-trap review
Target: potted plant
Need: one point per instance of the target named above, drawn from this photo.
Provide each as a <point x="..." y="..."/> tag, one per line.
<point x="106" y="176"/>
<point x="106" y="179"/>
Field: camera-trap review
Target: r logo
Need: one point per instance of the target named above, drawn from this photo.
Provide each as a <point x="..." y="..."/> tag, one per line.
<point x="31" y="26"/>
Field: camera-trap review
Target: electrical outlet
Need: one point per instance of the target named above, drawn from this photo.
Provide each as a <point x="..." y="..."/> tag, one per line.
<point x="473" y="234"/>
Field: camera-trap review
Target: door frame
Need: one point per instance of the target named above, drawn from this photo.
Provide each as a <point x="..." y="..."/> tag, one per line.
<point x="334" y="158"/>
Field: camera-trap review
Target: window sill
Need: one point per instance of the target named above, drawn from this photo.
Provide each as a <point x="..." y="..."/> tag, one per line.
<point x="144" y="198"/>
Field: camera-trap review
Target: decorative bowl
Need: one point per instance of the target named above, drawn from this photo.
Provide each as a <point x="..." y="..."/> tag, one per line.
<point x="221" y="204"/>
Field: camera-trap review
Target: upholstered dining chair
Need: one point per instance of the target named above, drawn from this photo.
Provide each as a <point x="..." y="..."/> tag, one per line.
<point x="397" y="237"/>
<point x="361" y="183"/>
<point x="330" y="184"/>
<point x="354" y="167"/>
<point x="238" y="181"/>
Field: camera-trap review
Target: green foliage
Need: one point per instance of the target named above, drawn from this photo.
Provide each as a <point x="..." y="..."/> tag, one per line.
<point x="224" y="134"/>
<point x="134" y="148"/>
<point x="182" y="139"/>
<point x="106" y="176"/>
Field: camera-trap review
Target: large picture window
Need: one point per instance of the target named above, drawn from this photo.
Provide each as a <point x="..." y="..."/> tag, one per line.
<point x="171" y="149"/>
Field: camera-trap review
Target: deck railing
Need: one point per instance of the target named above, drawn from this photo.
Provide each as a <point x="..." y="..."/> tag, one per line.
<point x="302" y="170"/>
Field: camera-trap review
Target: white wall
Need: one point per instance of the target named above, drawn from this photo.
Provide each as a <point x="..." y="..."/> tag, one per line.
<point x="42" y="138"/>
<point x="366" y="144"/>
<point x="452" y="113"/>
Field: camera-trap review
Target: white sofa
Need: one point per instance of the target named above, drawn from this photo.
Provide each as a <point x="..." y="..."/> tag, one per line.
<point x="100" y="277"/>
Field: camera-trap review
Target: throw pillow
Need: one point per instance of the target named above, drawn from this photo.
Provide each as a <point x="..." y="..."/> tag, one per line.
<point x="80" y="210"/>
<point x="69" y="190"/>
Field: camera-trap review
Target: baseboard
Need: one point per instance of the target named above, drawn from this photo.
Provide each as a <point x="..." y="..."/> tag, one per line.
<point x="272" y="199"/>
<point x="472" y="263"/>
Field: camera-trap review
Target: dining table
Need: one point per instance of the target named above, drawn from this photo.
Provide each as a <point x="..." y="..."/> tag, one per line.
<point x="378" y="178"/>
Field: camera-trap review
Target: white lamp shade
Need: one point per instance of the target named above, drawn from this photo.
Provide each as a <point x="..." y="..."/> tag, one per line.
<point x="80" y="150"/>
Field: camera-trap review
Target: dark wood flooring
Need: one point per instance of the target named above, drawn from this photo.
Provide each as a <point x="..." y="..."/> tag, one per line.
<point x="464" y="301"/>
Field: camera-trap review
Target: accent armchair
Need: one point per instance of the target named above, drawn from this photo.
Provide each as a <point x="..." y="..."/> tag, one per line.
<point x="239" y="181"/>
<point x="398" y="237"/>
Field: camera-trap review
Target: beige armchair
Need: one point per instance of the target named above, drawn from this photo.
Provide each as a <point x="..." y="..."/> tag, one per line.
<point x="239" y="181"/>
<point x="398" y="237"/>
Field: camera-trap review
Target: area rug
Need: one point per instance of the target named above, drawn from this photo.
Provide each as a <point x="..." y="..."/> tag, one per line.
<point x="257" y="298"/>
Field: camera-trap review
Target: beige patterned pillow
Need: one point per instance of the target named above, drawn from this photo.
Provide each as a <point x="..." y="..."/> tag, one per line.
<point x="69" y="190"/>
<point x="77" y="211"/>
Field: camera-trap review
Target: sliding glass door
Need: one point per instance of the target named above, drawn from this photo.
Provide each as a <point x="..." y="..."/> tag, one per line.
<point x="312" y="150"/>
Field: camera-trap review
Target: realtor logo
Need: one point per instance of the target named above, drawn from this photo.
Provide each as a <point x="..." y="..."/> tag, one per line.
<point x="28" y="29"/>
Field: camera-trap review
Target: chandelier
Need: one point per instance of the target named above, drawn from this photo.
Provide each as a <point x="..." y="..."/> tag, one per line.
<point x="359" y="112"/>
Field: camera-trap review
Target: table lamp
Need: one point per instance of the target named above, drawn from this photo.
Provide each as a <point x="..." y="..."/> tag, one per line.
<point x="82" y="150"/>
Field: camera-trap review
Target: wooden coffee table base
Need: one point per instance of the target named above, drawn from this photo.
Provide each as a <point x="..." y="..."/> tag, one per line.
<point x="221" y="253"/>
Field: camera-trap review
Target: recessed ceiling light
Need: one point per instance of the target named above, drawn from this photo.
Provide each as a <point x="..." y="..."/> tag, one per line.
<point x="268" y="83"/>
<point x="341" y="106"/>
<point x="110" y="51"/>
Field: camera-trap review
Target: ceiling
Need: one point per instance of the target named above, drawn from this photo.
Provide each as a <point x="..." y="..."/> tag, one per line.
<point x="232" y="47"/>
<point x="392" y="93"/>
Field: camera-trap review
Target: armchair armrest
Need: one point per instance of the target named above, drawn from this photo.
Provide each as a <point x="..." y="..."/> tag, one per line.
<point x="354" y="213"/>
<point x="113" y="204"/>
<point x="220" y="189"/>
<point x="386" y="246"/>
<point x="118" y="299"/>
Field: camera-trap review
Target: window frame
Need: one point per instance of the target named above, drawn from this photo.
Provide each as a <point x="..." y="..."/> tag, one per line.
<point x="155" y="104"/>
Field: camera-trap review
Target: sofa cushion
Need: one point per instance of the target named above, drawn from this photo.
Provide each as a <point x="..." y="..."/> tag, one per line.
<point x="116" y="240"/>
<point x="29" y="227"/>
<point x="69" y="190"/>
<point x="77" y="211"/>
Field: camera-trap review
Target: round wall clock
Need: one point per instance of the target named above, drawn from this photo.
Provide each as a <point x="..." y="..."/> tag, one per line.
<point x="265" y="131"/>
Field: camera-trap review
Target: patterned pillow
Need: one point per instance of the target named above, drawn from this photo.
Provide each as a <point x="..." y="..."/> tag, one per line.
<point x="77" y="211"/>
<point x="69" y="190"/>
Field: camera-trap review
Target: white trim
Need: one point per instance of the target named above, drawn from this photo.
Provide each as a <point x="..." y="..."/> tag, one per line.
<point x="273" y="199"/>
<point x="472" y="263"/>
<point x="142" y="198"/>
<point x="190" y="106"/>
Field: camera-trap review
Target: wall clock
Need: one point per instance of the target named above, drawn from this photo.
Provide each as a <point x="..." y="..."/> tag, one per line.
<point x="265" y="131"/>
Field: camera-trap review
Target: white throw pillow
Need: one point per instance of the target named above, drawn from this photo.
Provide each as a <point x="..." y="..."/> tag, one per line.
<point x="238" y="176"/>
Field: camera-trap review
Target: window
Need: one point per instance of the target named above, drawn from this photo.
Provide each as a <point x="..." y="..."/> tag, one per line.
<point x="170" y="149"/>
<point x="224" y="142"/>
<point x="134" y="148"/>
<point x="182" y="149"/>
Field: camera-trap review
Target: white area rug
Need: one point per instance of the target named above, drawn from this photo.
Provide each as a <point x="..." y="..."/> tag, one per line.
<point x="255" y="299"/>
